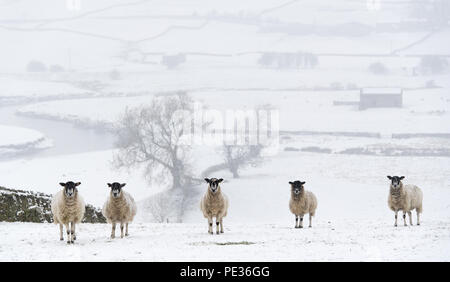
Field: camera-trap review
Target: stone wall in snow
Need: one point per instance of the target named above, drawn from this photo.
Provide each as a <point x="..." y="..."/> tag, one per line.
<point x="28" y="206"/>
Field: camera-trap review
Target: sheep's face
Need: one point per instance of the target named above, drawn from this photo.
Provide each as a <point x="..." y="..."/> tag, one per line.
<point x="297" y="187"/>
<point x="396" y="181"/>
<point x="213" y="184"/>
<point x="116" y="189"/>
<point x="70" y="188"/>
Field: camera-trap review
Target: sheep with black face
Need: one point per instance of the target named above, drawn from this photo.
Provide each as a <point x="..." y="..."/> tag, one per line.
<point x="405" y="198"/>
<point x="302" y="202"/>
<point x="68" y="209"/>
<point x="120" y="207"/>
<point x="214" y="204"/>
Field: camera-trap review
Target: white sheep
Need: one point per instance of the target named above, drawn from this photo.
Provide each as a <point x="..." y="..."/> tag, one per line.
<point x="119" y="208"/>
<point x="68" y="209"/>
<point x="214" y="204"/>
<point x="405" y="198"/>
<point x="301" y="203"/>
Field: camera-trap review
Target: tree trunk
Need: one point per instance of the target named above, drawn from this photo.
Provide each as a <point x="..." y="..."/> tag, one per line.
<point x="176" y="180"/>
<point x="234" y="171"/>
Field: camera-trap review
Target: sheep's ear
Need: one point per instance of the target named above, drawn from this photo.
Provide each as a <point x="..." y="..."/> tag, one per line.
<point x="207" y="180"/>
<point x="291" y="182"/>
<point x="220" y="180"/>
<point x="302" y="182"/>
<point x="401" y="177"/>
<point x="109" y="184"/>
<point x="62" y="184"/>
<point x="390" y="177"/>
<point x="123" y="184"/>
<point x="77" y="184"/>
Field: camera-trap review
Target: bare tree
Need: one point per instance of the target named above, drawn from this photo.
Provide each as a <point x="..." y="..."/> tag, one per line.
<point x="149" y="136"/>
<point x="240" y="156"/>
<point x="237" y="156"/>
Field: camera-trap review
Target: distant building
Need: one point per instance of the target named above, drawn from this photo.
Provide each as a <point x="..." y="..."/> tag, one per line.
<point x="380" y="98"/>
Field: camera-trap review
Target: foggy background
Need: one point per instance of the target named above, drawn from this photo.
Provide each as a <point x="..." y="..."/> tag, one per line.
<point x="70" y="69"/>
<point x="361" y="89"/>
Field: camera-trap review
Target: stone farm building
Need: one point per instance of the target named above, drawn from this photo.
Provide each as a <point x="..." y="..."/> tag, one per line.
<point x="380" y="98"/>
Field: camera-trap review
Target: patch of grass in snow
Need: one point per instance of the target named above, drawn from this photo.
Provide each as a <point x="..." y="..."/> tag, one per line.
<point x="235" y="243"/>
<point x="222" y="243"/>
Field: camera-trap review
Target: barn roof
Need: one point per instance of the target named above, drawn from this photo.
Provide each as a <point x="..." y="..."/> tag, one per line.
<point x="381" y="90"/>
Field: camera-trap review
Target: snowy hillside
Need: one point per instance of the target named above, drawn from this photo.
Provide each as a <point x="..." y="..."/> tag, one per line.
<point x="70" y="72"/>
<point x="16" y="140"/>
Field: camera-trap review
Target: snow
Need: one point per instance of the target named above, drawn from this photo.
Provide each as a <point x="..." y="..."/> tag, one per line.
<point x="223" y="41"/>
<point x="93" y="169"/>
<point x="353" y="221"/>
<point x="16" y="140"/>
<point x="379" y="90"/>
<point x="424" y="111"/>
<point x="11" y="135"/>
<point x="342" y="240"/>
<point x="12" y="86"/>
<point x="91" y="38"/>
<point x="347" y="186"/>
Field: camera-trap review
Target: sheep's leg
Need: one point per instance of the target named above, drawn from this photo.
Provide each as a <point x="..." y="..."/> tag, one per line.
<point x="69" y="237"/>
<point x="113" y="230"/>
<point x="74" y="237"/>
<point x="410" y="218"/>
<point x="210" y="231"/>
<point x="418" y="217"/>
<point x="296" y="221"/>
<point x="121" y="230"/>
<point x="301" y="221"/>
<point x="61" y="232"/>
<point x="217" y="225"/>
<point x="310" y="220"/>
<point x="404" y="218"/>
<point x="221" y="225"/>
<point x="126" y="229"/>
<point x="396" y="215"/>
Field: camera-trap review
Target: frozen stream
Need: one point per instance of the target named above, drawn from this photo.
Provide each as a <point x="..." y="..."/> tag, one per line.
<point x="67" y="138"/>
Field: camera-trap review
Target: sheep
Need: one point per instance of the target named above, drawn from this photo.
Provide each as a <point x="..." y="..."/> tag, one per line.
<point x="405" y="198"/>
<point x="119" y="208"/>
<point x="214" y="204"/>
<point x="68" y="209"/>
<point x="301" y="203"/>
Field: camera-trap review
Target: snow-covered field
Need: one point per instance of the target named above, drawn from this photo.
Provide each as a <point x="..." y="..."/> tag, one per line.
<point x="353" y="221"/>
<point x="340" y="240"/>
<point x="17" y="140"/>
<point x="110" y="56"/>
<point x="36" y="87"/>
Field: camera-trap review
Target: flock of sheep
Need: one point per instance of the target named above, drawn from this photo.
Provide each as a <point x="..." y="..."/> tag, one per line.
<point x="68" y="209"/>
<point x="68" y="206"/>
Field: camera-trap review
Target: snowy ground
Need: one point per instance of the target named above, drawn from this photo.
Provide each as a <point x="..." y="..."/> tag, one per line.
<point x="17" y="140"/>
<point x="37" y="87"/>
<point x="222" y="42"/>
<point x="340" y="240"/>
<point x="352" y="223"/>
